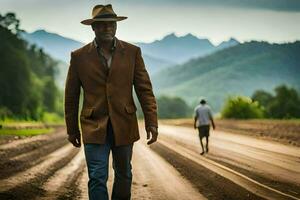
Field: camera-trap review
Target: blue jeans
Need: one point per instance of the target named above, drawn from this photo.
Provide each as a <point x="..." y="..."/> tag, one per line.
<point x="97" y="159"/>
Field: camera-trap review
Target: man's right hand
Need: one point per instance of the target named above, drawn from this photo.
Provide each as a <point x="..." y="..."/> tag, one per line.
<point x="75" y="140"/>
<point x="214" y="126"/>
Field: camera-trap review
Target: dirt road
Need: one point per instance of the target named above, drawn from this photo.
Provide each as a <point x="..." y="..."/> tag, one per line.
<point x="237" y="167"/>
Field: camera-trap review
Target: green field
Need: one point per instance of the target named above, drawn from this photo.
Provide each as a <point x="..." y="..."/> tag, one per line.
<point x="11" y="127"/>
<point x="25" y="132"/>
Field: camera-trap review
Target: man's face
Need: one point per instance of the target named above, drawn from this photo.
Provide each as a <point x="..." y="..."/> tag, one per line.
<point x="105" y="31"/>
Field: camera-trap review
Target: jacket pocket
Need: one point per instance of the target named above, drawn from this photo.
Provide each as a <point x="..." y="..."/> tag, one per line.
<point x="130" y="109"/>
<point x="87" y="112"/>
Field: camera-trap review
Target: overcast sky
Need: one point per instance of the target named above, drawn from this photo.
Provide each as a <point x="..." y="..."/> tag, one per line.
<point x="148" y="20"/>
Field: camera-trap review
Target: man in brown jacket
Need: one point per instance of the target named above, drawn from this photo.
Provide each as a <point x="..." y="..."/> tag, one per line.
<point x="107" y="69"/>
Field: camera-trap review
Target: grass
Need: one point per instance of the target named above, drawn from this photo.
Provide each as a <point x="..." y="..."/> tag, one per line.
<point x="10" y="123"/>
<point x="19" y="127"/>
<point x="25" y="132"/>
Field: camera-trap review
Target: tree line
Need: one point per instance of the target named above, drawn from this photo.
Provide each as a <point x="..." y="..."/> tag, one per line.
<point x="282" y="104"/>
<point x="27" y="76"/>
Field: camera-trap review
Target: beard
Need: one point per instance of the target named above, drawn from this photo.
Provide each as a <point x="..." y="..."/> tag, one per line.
<point x="106" y="37"/>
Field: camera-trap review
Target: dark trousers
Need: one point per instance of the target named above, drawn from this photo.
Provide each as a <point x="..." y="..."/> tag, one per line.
<point x="97" y="159"/>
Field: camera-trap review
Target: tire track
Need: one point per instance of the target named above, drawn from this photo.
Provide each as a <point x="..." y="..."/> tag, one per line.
<point x="282" y="167"/>
<point x="18" y="147"/>
<point x="62" y="183"/>
<point x="83" y="189"/>
<point x="208" y="183"/>
<point x="157" y="179"/>
<point x="237" y="178"/>
<point x="27" y="184"/>
<point x="22" y="161"/>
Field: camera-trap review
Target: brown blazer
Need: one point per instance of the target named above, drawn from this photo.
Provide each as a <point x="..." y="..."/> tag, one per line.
<point x="108" y="94"/>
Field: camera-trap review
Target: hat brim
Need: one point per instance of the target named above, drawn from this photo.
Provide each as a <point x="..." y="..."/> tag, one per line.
<point x="114" y="19"/>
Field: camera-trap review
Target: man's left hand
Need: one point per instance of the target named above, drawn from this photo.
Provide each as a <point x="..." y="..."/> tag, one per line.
<point x="75" y="139"/>
<point x="151" y="130"/>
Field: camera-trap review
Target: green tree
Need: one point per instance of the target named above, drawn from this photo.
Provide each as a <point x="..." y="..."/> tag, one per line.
<point x="172" y="107"/>
<point x="27" y="75"/>
<point x="241" y="107"/>
<point x="15" y="75"/>
<point x="10" y="22"/>
<point x="263" y="97"/>
<point x="285" y="103"/>
<point x="50" y="94"/>
<point x="4" y="113"/>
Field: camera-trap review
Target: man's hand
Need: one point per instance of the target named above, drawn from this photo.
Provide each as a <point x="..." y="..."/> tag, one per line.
<point x="151" y="130"/>
<point x="75" y="140"/>
<point x="214" y="126"/>
<point x="195" y="122"/>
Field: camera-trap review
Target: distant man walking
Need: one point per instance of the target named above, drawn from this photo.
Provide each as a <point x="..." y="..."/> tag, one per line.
<point x="107" y="69"/>
<point x="203" y="116"/>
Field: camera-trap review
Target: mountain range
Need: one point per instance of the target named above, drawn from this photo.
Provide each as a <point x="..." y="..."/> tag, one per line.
<point x="57" y="46"/>
<point x="190" y="67"/>
<point x="157" y="55"/>
<point x="238" y="70"/>
<point x="181" y="49"/>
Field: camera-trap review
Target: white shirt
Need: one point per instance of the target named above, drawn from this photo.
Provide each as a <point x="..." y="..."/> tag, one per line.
<point x="203" y="114"/>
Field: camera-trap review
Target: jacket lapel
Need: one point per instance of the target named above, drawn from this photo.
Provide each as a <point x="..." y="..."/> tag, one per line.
<point x="95" y="59"/>
<point x="93" y="54"/>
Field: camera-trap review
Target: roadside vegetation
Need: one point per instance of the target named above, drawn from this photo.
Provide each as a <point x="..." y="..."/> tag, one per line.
<point x="283" y="104"/>
<point x="27" y="77"/>
<point x="25" y="132"/>
<point x="30" y="101"/>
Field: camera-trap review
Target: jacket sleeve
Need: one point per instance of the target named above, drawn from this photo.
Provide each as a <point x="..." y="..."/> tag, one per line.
<point x="143" y="89"/>
<point x="72" y="93"/>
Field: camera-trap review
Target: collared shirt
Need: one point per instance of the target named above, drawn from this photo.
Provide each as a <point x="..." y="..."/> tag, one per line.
<point x="106" y="62"/>
<point x="203" y="114"/>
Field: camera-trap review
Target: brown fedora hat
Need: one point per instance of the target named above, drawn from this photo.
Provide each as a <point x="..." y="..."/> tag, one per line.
<point x="103" y="13"/>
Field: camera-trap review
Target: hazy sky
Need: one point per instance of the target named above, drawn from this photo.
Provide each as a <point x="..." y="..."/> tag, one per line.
<point x="217" y="20"/>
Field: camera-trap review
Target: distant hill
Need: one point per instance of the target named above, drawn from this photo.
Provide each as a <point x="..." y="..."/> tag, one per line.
<point x="155" y="64"/>
<point x="57" y="46"/>
<point x="181" y="49"/>
<point x="226" y="44"/>
<point x="157" y="55"/>
<point x="241" y="69"/>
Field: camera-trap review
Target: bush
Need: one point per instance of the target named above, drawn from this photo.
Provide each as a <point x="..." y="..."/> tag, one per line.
<point x="284" y="104"/>
<point x="5" y="113"/>
<point x="52" y="118"/>
<point x="263" y="97"/>
<point x="172" y="107"/>
<point x="241" y="107"/>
